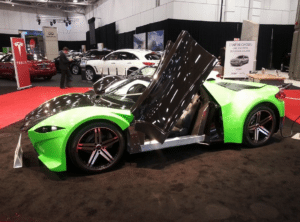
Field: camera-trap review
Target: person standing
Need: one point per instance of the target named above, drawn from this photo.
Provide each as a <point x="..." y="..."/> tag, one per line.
<point x="64" y="67"/>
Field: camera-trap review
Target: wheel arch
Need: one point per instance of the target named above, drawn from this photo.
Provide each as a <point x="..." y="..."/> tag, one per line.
<point x="233" y="132"/>
<point x="90" y="66"/>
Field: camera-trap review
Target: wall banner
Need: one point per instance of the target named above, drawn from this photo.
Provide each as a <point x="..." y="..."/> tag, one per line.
<point x="20" y="62"/>
<point x="239" y="58"/>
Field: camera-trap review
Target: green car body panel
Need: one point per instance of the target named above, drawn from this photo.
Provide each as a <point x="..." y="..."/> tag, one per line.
<point x="51" y="146"/>
<point x="235" y="106"/>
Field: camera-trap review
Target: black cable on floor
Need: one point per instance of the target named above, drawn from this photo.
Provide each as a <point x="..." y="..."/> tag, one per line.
<point x="291" y="129"/>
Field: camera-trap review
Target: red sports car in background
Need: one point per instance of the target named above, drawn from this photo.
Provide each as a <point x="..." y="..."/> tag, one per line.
<point x="38" y="67"/>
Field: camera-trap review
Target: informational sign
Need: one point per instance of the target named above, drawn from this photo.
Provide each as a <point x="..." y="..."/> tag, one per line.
<point x="139" y="41"/>
<point x="239" y="57"/>
<point x="20" y="62"/>
<point x="156" y="40"/>
<point x="50" y="42"/>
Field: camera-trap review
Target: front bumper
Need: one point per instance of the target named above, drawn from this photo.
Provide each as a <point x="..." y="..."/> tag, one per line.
<point x="50" y="148"/>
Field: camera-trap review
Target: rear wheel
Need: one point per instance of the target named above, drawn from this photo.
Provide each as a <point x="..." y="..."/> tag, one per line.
<point x="97" y="147"/>
<point x="90" y="74"/>
<point x="259" y="126"/>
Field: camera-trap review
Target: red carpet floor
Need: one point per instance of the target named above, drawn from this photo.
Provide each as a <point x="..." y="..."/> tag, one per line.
<point x="15" y="106"/>
<point x="292" y="104"/>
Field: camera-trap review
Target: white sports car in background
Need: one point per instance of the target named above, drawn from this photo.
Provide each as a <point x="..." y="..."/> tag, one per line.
<point x="121" y="62"/>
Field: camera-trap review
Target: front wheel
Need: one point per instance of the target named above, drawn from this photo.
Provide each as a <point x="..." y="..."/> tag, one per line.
<point x="97" y="147"/>
<point x="259" y="126"/>
<point x="90" y="74"/>
<point x="75" y="69"/>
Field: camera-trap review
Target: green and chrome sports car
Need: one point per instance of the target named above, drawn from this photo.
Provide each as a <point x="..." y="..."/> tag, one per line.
<point x="174" y="107"/>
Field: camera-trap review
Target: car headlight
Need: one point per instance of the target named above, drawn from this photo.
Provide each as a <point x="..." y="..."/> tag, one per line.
<point x="48" y="129"/>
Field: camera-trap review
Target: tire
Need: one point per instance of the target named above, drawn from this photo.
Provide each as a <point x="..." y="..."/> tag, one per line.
<point x="259" y="126"/>
<point x="90" y="74"/>
<point x="96" y="156"/>
<point x="131" y="70"/>
<point x="47" y="77"/>
<point x="75" y="69"/>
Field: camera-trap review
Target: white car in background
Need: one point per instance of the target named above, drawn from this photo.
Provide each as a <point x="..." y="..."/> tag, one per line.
<point x="121" y="62"/>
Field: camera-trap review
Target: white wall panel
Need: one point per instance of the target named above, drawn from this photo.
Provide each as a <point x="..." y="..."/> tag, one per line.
<point x="256" y="4"/>
<point x="160" y="13"/>
<point x="270" y="17"/>
<point x="280" y="5"/>
<point x="292" y="18"/>
<point x="162" y="2"/>
<point x="142" y="5"/>
<point x="181" y="10"/>
<point x="3" y="18"/>
<point x="195" y="1"/>
<point x="244" y="14"/>
<point x="147" y="17"/>
<point x="214" y="2"/>
<point x="203" y="12"/>
<point x="285" y="17"/>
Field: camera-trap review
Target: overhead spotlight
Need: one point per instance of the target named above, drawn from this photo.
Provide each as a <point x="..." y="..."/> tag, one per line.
<point x="51" y="23"/>
<point x="54" y="21"/>
<point x="39" y="21"/>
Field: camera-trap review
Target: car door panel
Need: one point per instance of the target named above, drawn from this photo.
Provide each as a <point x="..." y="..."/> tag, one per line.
<point x="175" y="82"/>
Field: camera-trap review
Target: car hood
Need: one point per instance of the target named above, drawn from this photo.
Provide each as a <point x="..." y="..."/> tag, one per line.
<point x="72" y="101"/>
<point x="177" y="79"/>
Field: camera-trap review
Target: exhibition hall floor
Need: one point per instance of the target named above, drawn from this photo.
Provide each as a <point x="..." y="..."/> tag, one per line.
<point x="223" y="182"/>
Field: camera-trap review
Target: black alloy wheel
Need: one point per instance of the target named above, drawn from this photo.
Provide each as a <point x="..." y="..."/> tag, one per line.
<point x="90" y="74"/>
<point x="75" y="69"/>
<point x="259" y="126"/>
<point x="97" y="147"/>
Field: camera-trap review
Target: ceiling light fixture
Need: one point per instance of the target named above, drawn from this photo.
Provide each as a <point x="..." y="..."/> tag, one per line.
<point x="75" y="1"/>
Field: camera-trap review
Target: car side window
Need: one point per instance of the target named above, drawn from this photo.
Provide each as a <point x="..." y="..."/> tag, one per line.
<point x="113" y="56"/>
<point x="6" y="59"/>
<point x="131" y="56"/>
<point x="123" y="56"/>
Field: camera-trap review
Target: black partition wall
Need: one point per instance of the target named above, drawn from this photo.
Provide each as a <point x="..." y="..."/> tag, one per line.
<point x="5" y="40"/>
<point x="281" y="44"/>
<point x="211" y="35"/>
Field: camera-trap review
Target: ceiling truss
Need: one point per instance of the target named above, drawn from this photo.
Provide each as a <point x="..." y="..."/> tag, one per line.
<point x="74" y="6"/>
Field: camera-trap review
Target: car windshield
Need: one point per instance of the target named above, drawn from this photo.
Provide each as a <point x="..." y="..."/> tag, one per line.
<point x="35" y="57"/>
<point x="146" y="71"/>
<point x="126" y="93"/>
<point x="129" y="86"/>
